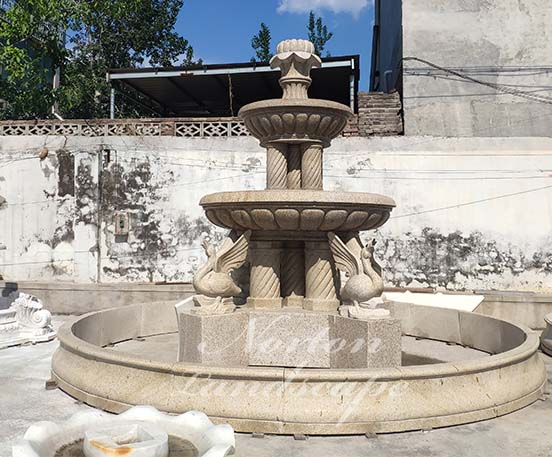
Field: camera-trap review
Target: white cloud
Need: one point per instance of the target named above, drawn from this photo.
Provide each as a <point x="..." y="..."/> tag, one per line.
<point x="337" y="6"/>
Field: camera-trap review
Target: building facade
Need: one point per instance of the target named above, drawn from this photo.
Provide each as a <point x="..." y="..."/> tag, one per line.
<point x="467" y="68"/>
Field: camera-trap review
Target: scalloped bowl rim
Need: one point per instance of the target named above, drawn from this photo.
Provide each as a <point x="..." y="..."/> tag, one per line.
<point x="295" y="105"/>
<point x="317" y="199"/>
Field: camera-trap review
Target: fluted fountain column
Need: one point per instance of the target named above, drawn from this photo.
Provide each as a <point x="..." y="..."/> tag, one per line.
<point x="311" y="167"/>
<point x="264" y="287"/>
<point x="276" y="166"/>
<point x="321" y="279"/>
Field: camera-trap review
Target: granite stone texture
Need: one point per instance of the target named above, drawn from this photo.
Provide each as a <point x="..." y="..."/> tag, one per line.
<point x="289" y="339"/>
<point x="293" y="338"/>
<point x="217" y="339"/>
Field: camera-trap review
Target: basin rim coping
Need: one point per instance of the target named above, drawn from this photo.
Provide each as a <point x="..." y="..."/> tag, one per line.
<point x="70" y="342"/>
<point x="308" y="106"/>
<point x="322" y="198"/>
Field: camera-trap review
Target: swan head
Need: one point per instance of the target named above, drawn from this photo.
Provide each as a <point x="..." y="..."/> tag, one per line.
<point x="208" y="248"/>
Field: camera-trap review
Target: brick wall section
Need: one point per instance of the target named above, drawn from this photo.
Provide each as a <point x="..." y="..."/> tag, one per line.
<point x="379" y="114"/>
<point x="351" y="129"/>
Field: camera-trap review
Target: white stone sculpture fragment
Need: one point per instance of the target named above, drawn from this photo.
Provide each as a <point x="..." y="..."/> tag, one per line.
<point x="364" y="284"/>
<point x="44" y="439"/>
<point x="213" y="281"/>
<point x="25" y="321"/>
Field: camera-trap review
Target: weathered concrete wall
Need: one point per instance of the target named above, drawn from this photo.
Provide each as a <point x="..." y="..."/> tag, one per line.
<point x="473" y="213"/>
<point x="506" y="42"/>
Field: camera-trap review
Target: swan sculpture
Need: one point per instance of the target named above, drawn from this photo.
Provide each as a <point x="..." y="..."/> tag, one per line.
<point x="213" y="281"/>
<point x="365" y="281"/>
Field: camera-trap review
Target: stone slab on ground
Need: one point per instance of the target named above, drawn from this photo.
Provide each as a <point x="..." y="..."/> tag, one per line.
<point x="23" y="401"/>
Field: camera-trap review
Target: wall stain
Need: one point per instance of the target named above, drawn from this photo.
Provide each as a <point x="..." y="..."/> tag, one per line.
<point x="365" y="164"/>
<point x="86" y="188"/>
<point x="162" y="242"/>
<point x="66" y="173"/>
<point x="434" y="259"/>
<point x="252" y="163"/>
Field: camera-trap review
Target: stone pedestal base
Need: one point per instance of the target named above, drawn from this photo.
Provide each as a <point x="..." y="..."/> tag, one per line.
<point x="293" y="302"/>
<point x="264" y="303"/>
<point x="371" y="343"/>
<point x="217" y="340"/>
<point x="321" y="305"/>
<point x="289" y="338"/>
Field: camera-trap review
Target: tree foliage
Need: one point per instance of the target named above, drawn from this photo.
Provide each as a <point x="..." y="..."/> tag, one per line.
<point x="318" y="34"/>
<point x="261" y="44"/>
<point x="83" y="38"/>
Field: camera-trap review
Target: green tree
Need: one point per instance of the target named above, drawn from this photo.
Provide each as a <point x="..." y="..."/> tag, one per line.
<point x="31" y="47"/>
<point x="318" y="34"/>
<point x="83" y="39"/>
<point x="261" y="44"/>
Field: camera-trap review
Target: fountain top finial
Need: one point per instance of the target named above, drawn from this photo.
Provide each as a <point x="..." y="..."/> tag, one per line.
<point x="295" y="46"/>
<point x="295" y="58"/>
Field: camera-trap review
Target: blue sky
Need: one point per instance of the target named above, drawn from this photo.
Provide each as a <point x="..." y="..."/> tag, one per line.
<point x="220" y="30"/>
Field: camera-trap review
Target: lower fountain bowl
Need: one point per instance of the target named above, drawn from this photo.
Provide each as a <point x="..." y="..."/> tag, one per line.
<point x="509" y="376"/>
<point x="297" y="210"/>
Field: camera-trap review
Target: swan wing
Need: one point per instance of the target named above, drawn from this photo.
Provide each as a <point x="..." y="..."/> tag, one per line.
<point x="233" y="255"/>
<point x="344" y="259"/>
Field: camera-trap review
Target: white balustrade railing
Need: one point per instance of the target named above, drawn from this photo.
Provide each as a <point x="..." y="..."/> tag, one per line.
<point x="190" y="127"/>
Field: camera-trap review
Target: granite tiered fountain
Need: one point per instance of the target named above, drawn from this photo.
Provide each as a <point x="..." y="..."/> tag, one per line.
<point x="287" y="332"/>
<point x="296" y="238"/>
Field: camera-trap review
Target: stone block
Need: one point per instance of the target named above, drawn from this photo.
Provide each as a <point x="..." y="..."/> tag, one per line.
<point x="289" y="339"/>
<point x="320" y="305"/>
<point x="434" y="323"/>
<point x="216" y="340"/>
<point x="369" y="343"/>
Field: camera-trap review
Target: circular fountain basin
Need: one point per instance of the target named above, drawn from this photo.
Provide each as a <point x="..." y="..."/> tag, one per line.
<point x="546" y="337"/>
<point x="297" y="210"/>
<point x="309" y="401"/>
<point x="295" y="121"/>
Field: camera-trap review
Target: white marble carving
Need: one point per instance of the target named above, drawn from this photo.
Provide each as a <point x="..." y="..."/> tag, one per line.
<point x="43" y="439"/>
<point x="25" y="321"/>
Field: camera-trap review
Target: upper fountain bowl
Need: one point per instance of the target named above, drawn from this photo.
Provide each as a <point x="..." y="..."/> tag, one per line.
<point x="295" y="120"/>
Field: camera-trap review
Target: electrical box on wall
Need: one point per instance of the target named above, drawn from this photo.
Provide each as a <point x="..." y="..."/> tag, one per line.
<point x="121" y="224"/>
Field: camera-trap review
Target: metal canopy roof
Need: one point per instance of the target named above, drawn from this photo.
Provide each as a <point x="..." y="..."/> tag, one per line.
<point x="206" y="90"/>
